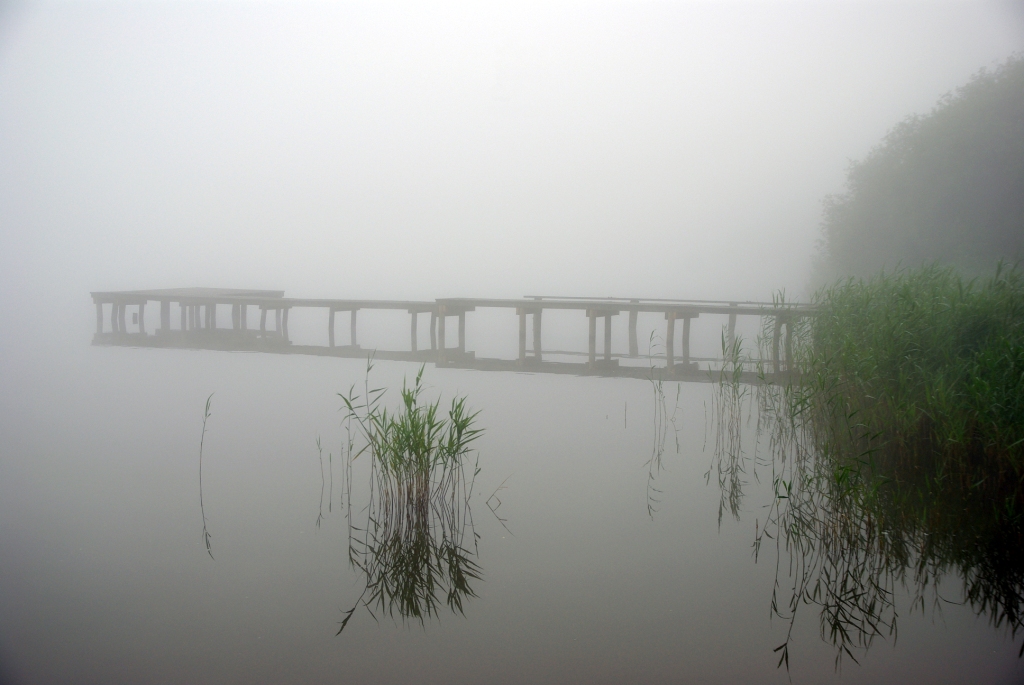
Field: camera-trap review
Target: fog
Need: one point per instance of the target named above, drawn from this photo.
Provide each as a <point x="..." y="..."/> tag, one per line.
<point x="420" y="151"/>
<point x="656" y="150"/>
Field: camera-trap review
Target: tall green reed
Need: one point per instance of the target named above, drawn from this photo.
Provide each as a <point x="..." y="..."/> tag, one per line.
<point x="417" y="542"/>
<point x="895" y="445"/>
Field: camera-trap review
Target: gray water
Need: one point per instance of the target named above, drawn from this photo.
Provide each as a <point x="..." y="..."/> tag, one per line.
<point x="105" y="577"/>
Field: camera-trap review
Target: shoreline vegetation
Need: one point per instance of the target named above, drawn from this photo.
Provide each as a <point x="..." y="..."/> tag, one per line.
<point x="896" y="452"/>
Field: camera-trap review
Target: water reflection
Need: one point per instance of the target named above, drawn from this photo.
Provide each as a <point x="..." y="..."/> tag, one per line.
<point x="414" y="545"/>
<point x="416" y="554"/>
<point x="845" y="539"/>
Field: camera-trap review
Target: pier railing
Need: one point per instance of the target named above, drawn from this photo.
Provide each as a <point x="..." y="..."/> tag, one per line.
<point x="195" y="325"/>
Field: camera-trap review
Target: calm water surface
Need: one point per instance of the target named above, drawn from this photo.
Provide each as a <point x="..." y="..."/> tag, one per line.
<point x="106" y="578"/>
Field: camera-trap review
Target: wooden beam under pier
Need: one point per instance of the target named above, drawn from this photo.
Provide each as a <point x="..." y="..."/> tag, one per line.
<point x="198" y="310"/>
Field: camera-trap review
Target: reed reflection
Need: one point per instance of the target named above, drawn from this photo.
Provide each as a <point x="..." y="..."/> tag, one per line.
<point x="857" y="519"/>
<point x="415" y="545"/>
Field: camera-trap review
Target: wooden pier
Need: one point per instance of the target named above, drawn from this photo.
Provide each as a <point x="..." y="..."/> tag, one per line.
<point x="195" y="313"/>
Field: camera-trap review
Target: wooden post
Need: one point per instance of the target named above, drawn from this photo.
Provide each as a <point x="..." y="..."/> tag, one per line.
<point x="330" y="327"/>
<point x="522" y="334"/>
<point x="121" y="326"/>
<point x="142" y="317"/>
<point x="99" y="318"/>
<point x="634" y="349"/>
<point x="789" y="343"/>
<point x="211" y="315"/>
<point x="277" y="320"/>
<point x="184" y="316"/>
<point x="686" y="342"/>
<point x="775" y="343"/>
<point x="352" y="328"/>
<point x="670" y="341"/>
<point x="462" y="332"/>
<point x="441" y="316"/>
<point x="113" y="317"/>
<point x="433" y="330"/>
<point x="284" y="323"/>
<point x="592" y="348"/>
<point x="536" y="334"/>
<point x="236" y="317"/>
<point x="732" y="329"/>
<point x="263" y="320"/>
<point x="607" y="337"/>
<point x="243" y="311"/>
<point x="412" y="331"/>
<point x="165" y="316"/>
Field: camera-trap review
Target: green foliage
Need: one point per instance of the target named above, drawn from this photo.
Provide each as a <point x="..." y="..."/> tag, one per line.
<point x="413" y="447"/>
<point x="947" y="187"/>
<point x="413" y="545"/>
<point x="922" y="373"/>
<point x="897" y="451"/>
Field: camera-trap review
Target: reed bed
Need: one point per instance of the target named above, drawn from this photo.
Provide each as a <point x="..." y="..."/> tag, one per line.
<point x="895" y="452"/>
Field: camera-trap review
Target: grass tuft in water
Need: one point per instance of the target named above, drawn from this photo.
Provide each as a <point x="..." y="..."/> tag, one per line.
<point x="415" y="544"/>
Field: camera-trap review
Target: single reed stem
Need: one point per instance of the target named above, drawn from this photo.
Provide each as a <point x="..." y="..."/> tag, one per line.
<point x="202" y="439"/>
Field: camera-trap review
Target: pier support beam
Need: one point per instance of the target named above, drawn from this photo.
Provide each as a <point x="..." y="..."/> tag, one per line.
<point x="462" y="332"/>
<point x="592" y="337"/>
<point x="263" y="322"/>
<point x="243" y="312"/>
<point x="284" y="324"/>
<point x="686" y="343"/>
<point x="142" y="317"/>
<point x="608" y="337"/>
<point x="536" y="335"/>
<point x="633" y="347"/>
<point x="99" y="318"/>
<point x="522" y="334"/>
<point x="330" y="327"/>
<point x="121" y="326"/>
<point x="354" y="341"/>
<point x="165" y="316"/>
<point x="732" y="329"/>
<point x="442" y="314"/>
<point x="413" y="338"/>
<point x="433" y="330"/>
<point x="779" y="365"/>
<point x="236" y="317"/>
<point x="670" y="335"/>
<point x="670" y="341"/>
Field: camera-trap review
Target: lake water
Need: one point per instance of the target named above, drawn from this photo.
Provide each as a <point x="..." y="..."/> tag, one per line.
<point x="105" y="577"/>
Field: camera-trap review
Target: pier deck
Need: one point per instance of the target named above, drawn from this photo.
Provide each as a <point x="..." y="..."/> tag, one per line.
<point x="195" y="326"/>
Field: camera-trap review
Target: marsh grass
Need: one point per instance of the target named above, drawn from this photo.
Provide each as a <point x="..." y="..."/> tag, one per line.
<point x="896" y="453"/>
<point x="664" y="421"/>
<point x="730" y="403"/>
<point x="417" y="543"/>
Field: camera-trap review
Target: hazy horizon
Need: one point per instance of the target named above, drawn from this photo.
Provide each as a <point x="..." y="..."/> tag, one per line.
<point x="656" y="150"/>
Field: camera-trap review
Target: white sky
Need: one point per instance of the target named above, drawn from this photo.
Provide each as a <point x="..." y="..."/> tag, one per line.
<point x="427" y="150"/>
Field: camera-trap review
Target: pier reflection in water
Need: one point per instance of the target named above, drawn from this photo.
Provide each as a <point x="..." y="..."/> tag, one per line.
<point x="196" y="327"/>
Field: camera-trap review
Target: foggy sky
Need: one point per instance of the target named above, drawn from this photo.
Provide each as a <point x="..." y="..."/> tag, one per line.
<point x="427" y="150"/>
